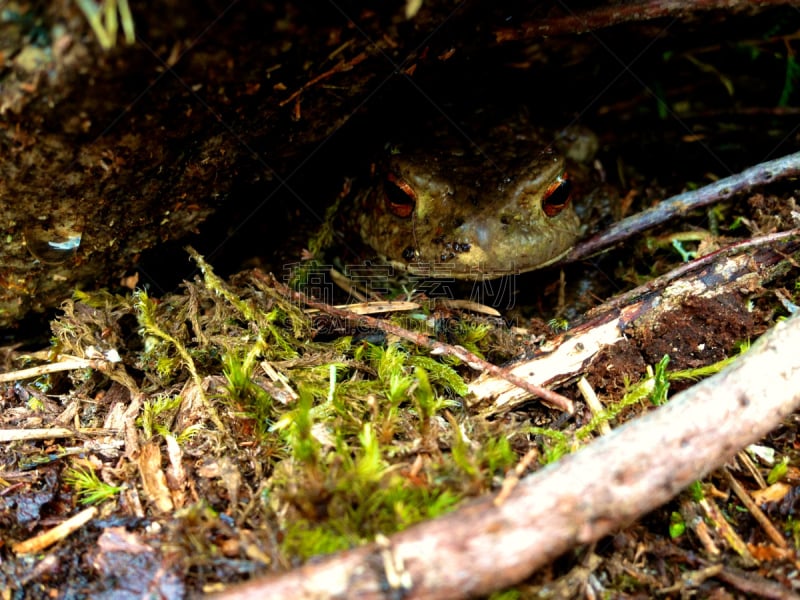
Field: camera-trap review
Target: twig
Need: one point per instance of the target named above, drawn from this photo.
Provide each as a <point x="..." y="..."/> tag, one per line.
<point x="753" y="584"/>
<point x="593" y="402"/>
<point x="70" y="364"/>
<point x="374" y="307"/>
<point x="18" y="435"/>
<point x="757" y="513"/>
<point x="714" y="518"/>
<point x="340" y="67"/>
<point x="616" y="13"/>
<point x="764" y="173"/>
<point x="514" y="477"/>
<point x="59" y="532"/>
<point x="470" y="359"/>
<point x="584" y="497"/>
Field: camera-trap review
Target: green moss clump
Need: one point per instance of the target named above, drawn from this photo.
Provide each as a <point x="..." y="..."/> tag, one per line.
<point x="347" y="439"/>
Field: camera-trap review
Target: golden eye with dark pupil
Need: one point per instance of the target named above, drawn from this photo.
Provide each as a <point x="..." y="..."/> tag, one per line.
<point x="399" y="196"/>
<point x="556" y="196"/>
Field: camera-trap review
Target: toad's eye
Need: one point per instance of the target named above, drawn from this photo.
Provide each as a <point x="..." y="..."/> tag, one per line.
<point x="400" y="197"/>
<point x="556" y="196"/>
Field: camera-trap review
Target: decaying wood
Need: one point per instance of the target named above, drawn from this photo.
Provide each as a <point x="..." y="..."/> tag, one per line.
<point x="567" y="355"/>
<point x="483" y="547"/>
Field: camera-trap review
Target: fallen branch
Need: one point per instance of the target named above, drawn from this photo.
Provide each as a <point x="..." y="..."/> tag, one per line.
<point x="753" y="246"/>
<point x="619" y="477"/>
<point x="566" y="356"/>
<point x="724" y="189"/>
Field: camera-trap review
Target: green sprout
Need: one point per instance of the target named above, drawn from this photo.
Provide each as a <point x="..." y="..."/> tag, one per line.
<point x="470" y="335"/>
<point x="244" y="394"/>
<point x="792" y="527"/>
<point x="557" y="324"/>
<point x="779" y="471"/>
<point x="157" y="415"/>
<point x="660" y="382"/>
<point x="677" y="526"/>
<point x="696" y="491"/>
<point x="105" y="18"/>
<point x="88" y="485"/>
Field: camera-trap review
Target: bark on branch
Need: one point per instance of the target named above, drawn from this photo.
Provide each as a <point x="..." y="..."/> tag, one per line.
<point x="761" y="174"/>
<point x="737" y="269"/>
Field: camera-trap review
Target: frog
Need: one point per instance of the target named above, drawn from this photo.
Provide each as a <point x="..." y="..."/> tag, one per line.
<point x="467" y="208"/>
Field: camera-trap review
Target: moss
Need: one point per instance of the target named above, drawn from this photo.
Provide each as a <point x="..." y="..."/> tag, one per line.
<point x="88" y="486"/>
<point x="348" y="439"/>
